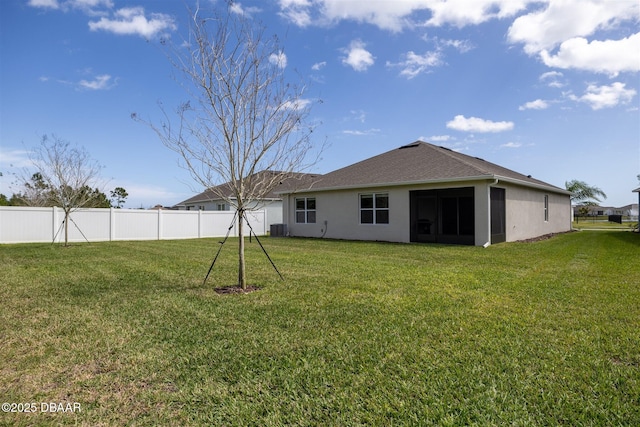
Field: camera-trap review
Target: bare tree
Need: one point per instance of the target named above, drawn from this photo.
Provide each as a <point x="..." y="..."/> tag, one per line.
<point x="242" y="118"/>
<point x="65" y="177"/>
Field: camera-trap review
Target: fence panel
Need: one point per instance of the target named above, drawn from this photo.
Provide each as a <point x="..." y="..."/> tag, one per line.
<point x="179" y="224"/>
<point x="25" y="224"/>
<point x="85" y="225"/>
<point x="133" y="224"/>
<point x="31" y="224"/>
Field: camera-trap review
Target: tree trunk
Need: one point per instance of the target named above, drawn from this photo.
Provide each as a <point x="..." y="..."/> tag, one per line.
<point x="66" y="228"/>
<point x="242" y="277"/>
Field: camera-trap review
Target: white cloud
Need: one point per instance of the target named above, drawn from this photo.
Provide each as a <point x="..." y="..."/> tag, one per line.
<point x="133" y="21"/>
<point x="359" y="115"/>
<point x="512" y="145"/>
<point x="87" y="6"/>
<point x="538" y="104"/>
<point x="462" y="46"/>
<point x="415" y="64"/>
<point x="318" y="66"/>
<point x="566" y="24"/>
<point x="237" y="8"/>
<point x="296" y="105"/>
<point x="388" y="15"/>
<point x="99" y="83"/>
<point x="278" y="59"/>
<point x="15" y="158"/>
<point x="367" y="132"/>
<point x="561" y="20"/>
<point x="463" y="12"/>
<point x="296" y="11"/>
<point x="474" y="124"/>
<point x="599" y="97"/>
<point x="396" y="15"/>
<point x="358" y="57"/>
<point x="609" y="56"/>
<point x="552" y="79"/>
<point x="437" y="138"/>
<point x="51" y="4"/>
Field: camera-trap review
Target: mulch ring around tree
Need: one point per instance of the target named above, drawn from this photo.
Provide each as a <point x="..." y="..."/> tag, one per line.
<point x="235" y="289"/>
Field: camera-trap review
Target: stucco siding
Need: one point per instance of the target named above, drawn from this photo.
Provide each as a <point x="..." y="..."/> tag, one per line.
<point x="525" y="213"/>
<point x="338" y="214"/>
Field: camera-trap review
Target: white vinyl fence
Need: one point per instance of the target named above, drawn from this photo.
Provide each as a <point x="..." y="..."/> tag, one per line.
<point x="20" y="224"/>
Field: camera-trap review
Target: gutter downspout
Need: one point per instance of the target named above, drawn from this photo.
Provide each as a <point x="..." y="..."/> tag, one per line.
<point x="285" y="219"/>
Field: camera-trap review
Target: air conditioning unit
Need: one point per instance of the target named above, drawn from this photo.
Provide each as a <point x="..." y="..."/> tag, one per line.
<point x="278" y="230"/>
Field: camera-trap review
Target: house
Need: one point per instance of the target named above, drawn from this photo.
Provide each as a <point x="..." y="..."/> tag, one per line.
<point x="630" y="210"/>
<point x="221" y="198"/>
<point x="425" y="193"/>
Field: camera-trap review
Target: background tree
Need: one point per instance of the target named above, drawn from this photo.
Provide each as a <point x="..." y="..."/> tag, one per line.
<point x="66" y="177"/>
<point x="241" y="116"/>
<point x="118" y="197"/>
<point x="584" y="195"/>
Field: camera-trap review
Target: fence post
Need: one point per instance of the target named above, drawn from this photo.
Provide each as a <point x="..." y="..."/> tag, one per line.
<point x="199" y="224"/>
<point x="159" y="224"/>
<point x="112" y="224"/>
<point x="54" y="222"/>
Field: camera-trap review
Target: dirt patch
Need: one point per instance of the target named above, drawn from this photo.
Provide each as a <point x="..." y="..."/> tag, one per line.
<point x="227" y="290"/>
<point x="619" y="361"/>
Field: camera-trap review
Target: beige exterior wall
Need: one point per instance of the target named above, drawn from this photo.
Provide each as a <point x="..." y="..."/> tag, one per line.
<point x="525" y="217"/>
<point x="338" y="215"/>
<point x="341" y="211"/>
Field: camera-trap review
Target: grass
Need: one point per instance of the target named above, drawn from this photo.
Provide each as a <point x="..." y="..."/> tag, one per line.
<point x="544" y="333"/>
<point x="603" y="225"/>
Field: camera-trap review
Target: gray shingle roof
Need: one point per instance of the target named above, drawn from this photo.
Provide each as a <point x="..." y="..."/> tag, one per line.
<point x="293" y="182"/>
<point x="420" y="162"/>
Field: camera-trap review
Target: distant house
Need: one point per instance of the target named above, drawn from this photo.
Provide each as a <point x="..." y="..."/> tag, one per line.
<point x="425" y="193"/>
<point x="221" y="198"/>
<point x="630" y="210"/>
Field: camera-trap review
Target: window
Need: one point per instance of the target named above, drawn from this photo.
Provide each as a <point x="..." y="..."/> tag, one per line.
<point x="306" y="210"/>
<point x="546" y="208"/>
<point x="221" y="206"/>
<point x="374" y="208"/>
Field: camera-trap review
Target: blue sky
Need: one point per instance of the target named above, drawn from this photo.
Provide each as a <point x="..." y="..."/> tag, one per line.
<point x="546" y="88"/>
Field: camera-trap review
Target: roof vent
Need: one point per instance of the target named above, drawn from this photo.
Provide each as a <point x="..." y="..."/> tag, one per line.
<point x="415" y="144"/>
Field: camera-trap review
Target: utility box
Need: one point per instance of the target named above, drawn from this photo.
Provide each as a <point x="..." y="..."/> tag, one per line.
<point x="615" y="218"/>
<point x="278" y="230"/>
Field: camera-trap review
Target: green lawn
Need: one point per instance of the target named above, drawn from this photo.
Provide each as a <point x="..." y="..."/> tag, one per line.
<point x="603" y="225"/>
<point x="544" y="333"/>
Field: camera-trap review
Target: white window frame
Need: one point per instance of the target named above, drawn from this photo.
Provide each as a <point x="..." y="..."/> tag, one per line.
<point x="374" y="209"/>
<point x="546" y="208"/>
<point x="309" y="214"/>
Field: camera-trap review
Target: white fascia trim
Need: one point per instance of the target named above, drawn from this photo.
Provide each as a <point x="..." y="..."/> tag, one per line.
<point x="391" y="184"/>
<point x="548" y="188"/>
<point x="434" y="181"/>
